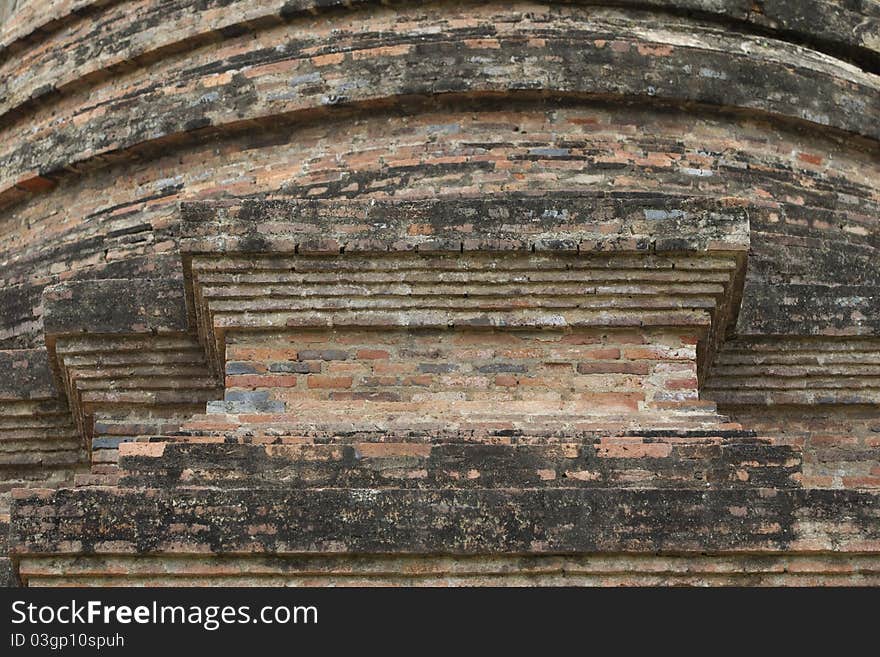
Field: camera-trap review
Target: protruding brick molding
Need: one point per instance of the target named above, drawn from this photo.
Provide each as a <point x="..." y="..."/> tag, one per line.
<point x="462" y="284"/>
<point x="467" y="459"/>
<point x="39" y="442"/>
<point x="548" y="262"/>
<point x="40" y="446"/>
<point x="780" y="370"/>
<point x="808" y="246"/>
<point x="819" y="392"/>
<point x="323" y="536"/>
<point x="510" y="374"/>
<point x="696" y="569"/>
<point x="499" y="50"/>
<point x="125" y="360"/>
<point x="826" y="24"/>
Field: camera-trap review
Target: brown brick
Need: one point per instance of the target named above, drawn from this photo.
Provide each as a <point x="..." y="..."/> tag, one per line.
<point x="613" y="400"/>
<point x="318" y="381"/>
<point x="364" y="396"/>
<point x="613" y="368"/>
<point x="611" y="448"/>
<point x="257" y="381"/>
<point x="862" y="482"/>
<point x="608" y="353"/>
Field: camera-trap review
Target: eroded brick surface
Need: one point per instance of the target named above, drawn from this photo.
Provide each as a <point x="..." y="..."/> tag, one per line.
<point x="299" y="292"/>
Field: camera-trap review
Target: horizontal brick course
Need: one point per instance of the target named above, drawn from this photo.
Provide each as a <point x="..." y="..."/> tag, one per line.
<point x="448" y="293"/>
<point x="549" y="365"/>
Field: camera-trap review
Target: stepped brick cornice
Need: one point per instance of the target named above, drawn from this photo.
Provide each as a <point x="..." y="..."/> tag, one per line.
<point x="356" y="292"/>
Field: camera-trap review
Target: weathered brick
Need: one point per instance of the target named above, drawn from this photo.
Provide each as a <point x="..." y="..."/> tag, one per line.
<point x="256" y="381"/>
<point x="243" y="367"/>
<point x="322" y="354"/>
<point x="372" y="354"/>
<point x="501" y="367"/>
<point x="613" y="368"/>
<point x="293" y="368"/>
<point x="528" y="324"/>
<point x="317" y="381"/>
<point x="602" y="354"/>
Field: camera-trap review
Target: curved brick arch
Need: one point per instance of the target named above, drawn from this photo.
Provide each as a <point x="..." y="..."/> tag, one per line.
<point x="824" y="22"/>
<point x="473" y="149"/>
<point x="562" y="55"/>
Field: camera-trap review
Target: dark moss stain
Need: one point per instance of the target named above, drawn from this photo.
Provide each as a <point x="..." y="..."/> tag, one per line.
<point x="481" y="521"/>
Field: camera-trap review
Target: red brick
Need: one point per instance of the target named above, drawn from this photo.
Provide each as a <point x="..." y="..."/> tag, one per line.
<point x="613" y="400"/>
<point x="36" y="184"/>
<point x="577" y="338"/>
<point x="810" y="158"/>
<point x="624" y="448"/>
<point x="861" y="482"/>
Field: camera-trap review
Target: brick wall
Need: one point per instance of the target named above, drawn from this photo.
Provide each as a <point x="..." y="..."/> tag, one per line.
<point x="300" y="261"/>
<point x="841" y="447"/>
<point x="464" y="371"/>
